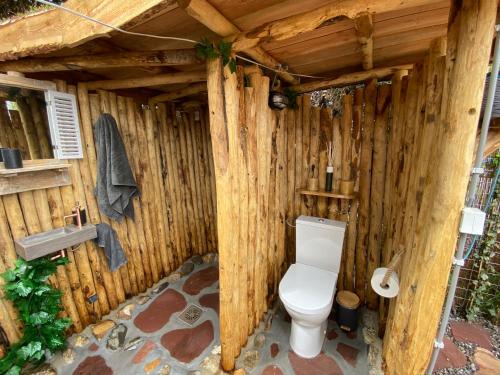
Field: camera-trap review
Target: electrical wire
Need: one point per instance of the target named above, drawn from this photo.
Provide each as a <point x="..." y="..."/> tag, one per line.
<point x="154" y="36"/>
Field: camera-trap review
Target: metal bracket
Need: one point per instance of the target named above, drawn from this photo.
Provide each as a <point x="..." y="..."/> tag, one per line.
<point x="477" y="170"/>
<point x="438" y="344"/>
<point x="458" y="262"/>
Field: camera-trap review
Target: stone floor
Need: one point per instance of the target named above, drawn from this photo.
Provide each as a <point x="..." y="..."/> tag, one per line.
<point x="268" y="350"/>
<point x="146" y="335"/>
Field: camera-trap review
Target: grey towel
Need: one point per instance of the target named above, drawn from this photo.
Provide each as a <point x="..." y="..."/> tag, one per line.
<point x="115" y="182"/>
<point x="107" y="238"/>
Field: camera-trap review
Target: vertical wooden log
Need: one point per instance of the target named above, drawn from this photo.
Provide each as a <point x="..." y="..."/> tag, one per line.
<point x="141" y="205"/>
<point x="470" y="33"/>
<point x="115" y="292"/>
<point x="223" y="116"/>
<point x="306" y="152"/>
<point x="251" y="125"/>
<point x="291" y="187"/>
<point x="377" y="186"/>
<point x="243" y="185"/>
<point x="334" y="205"/>
<point x="346" y="174"/>
<point x="325" y="136"/>
<point x="158" y="208"/>
<point x="365" y="176"/>
<point x="29" y="128"/>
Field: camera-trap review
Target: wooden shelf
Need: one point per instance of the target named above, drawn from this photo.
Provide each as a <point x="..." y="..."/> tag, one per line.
<point x="328" y="194"/>
<point x="35" y="174"/>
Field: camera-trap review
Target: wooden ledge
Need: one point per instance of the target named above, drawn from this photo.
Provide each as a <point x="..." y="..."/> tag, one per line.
<point x="327" y="194"/>
<point x="35" y="174"/>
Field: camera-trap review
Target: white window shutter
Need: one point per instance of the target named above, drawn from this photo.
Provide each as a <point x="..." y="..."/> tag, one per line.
<point x="64" y="125"/>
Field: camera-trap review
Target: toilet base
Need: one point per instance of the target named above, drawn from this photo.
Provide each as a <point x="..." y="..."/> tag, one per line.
<point x="307" y="341"/>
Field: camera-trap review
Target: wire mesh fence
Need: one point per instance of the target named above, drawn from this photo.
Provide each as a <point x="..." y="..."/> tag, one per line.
<point x="471" y="274"/>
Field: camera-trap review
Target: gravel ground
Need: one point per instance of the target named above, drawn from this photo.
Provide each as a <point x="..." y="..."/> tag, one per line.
<point x="469" y="348"/>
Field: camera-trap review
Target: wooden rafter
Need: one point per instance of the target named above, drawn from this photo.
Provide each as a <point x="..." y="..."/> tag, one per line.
<point x="157" y="80"/>
<point x="363" y="25"/>
<point x="350" y="78"/>
<point x="195" y="88"/>
<point x="288" y="27"/>
<point x="108" y="60"/>
<point x="56" y="29"/>
<point x="205" y="13"/>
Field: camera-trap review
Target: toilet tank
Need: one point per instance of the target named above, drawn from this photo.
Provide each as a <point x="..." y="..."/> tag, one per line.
<point x="319" y="242"/>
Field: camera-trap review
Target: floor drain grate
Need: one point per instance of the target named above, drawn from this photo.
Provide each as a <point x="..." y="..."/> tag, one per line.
<point x="191" y="314"/>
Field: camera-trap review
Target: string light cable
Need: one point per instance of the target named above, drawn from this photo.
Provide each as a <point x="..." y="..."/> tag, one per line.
<point x="163" y="37"/>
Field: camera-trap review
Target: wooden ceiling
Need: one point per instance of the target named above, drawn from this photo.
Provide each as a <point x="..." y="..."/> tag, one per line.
<point x="400" y="36"/>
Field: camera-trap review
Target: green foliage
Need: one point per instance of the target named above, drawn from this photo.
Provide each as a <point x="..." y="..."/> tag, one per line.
<point x="485" y="298"/>
<point x="39" y="305"/>
<point x="292" y="98"/>
<point x="11" y="8"/>
<point x="208" y="50"/>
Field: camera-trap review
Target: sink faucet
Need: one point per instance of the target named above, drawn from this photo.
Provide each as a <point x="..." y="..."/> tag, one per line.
<point x="76" y="213"/>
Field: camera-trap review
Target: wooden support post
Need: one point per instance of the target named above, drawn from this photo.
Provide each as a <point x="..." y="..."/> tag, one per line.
<point x="377" y="187"/>
<point x="363" y="25"/>
<point x="408" y="347"/>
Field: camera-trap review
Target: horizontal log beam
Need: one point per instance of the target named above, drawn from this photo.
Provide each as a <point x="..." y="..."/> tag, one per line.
<point x="350" y="78"/>
<point x="108" y="60"/>
<point x="289" y="27"/>
<point x="160" y="79"/>
<point x="56" y="29"/>
<point x="205" y="13"/>
<point x="195" y="88"/>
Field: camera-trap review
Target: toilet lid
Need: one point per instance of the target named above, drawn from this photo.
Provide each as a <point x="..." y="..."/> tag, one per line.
<point x="306" y="288"/>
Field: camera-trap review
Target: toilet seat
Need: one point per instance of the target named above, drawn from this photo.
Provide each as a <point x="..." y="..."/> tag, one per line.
<point x="307" y="289"/>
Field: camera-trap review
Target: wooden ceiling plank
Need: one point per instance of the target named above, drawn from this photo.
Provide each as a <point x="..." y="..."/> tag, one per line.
<point x="160" y="79"/>
<point x="363" y="25"/>
<point x="56" y="29"/>
<point x="108" y="60"/>
<point x="349" y="79"/>
<point x="205" y="13"/>
<point x="195" y="88"/>
<point x="294" y="25"/>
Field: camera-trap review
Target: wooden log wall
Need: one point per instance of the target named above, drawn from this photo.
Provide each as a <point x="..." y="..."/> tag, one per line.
<point x="432" y="157"/>
<point x="262" y="159"/>
<point x="160" y="149"/>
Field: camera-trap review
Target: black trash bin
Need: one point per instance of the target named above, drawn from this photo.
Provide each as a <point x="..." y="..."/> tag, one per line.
<point x="347" y="304"/>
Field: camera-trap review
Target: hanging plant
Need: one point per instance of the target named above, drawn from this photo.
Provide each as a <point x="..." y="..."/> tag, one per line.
<point x="39" y="305"/>
<point x="208" y="50"/>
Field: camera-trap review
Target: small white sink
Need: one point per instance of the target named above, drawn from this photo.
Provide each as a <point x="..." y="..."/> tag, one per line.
<point x="42" y="244"/>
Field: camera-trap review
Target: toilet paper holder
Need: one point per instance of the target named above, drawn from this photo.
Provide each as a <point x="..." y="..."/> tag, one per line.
<point x="387" y="285"/>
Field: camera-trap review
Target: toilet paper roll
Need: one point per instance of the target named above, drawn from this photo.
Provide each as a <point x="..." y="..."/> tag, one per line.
<point x="393" y="284"/>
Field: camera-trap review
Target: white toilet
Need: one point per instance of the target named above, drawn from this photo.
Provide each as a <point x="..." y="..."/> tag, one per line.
<point x="308" y="287"/>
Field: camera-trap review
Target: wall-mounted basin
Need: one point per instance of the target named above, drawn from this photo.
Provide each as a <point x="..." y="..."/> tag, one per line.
<point x="41" y="244"/>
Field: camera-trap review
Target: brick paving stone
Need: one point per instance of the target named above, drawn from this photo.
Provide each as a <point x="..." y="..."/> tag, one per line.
<point x="450" y="356"/>
<point x="272" y="370"/>
<point x="201" y="280"/>
<point x="321" y="364"/>
<point x="211" y="301"/>
<point x="349" y="353"/>
<point x="187" y="344"/>
<point x="474" y="333"/>
<point x="160" y="310"/>
<point x="93" y="365"/>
